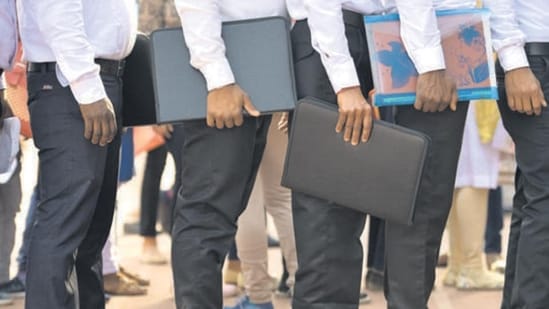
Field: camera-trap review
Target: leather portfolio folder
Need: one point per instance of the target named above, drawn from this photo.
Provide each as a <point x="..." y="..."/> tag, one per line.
<point x="258" y="51"/>
<point x="139" y="106"/>
<point x="380" y="177"/>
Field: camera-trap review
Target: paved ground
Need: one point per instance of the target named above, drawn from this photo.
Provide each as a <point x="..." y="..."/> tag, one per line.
<point x="160" y="294"/>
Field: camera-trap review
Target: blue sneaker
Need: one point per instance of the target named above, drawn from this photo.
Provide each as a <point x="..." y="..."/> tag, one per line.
<point x="244" y="303"/>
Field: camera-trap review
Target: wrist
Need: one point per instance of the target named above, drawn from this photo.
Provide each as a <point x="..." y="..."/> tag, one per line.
<point x="517" y="70"/>
<point x="353" y="90"/>
<point x="226" y="86"/>
<point x="439" y="72"/>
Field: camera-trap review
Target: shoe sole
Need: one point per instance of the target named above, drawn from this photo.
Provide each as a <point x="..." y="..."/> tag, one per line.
<point x="16" y="295"/>
<point x="365" y="300"/>
<point x="462" y="288"/>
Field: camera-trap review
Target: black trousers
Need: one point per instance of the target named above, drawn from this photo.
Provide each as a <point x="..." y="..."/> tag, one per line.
<point x="150" y="189"/>
<point x="77" y="186"/>
<point x="218" y="172"/>
<point x="328" y="243"/>
<point x="527" y="272"/>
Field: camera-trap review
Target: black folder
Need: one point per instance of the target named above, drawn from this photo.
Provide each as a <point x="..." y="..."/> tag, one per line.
<point x="260" y="56"/>
<point x="139" y="106"/>
<point x="380" y="177"/>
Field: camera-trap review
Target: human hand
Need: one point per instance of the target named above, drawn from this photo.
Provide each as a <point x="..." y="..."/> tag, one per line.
<point x="225" y="107"/>
<point x="283" y="122"/>
<point x="99" y="122"/>
<point x="164" y="130"/>
<point x="435" y="91"/>
<point x="524" y="93"/>
<point x="355" y="115"/>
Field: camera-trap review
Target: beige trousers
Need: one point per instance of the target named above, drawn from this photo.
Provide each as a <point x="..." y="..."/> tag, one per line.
<point x="251" y="237"/>
<point x="466" y="227"/>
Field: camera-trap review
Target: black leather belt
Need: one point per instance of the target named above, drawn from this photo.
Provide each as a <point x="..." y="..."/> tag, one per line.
<point x="108" y="67"/>
<point x="537" y="49"/>
<point x="353" y="18"/>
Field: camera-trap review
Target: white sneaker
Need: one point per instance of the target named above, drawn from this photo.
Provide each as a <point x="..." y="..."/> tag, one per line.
<point x="5" y="300"/>
<point x="480" y="280"/>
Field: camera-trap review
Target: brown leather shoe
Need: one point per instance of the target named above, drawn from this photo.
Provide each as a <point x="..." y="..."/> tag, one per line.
<point x="134" y="277"/>
<point x="442" y="260"/>
<point x="117" y="284"/>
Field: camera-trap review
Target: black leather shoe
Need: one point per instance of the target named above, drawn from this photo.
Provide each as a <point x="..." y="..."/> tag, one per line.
<point x="14" y="288"/>
<point x="374" y="280"/>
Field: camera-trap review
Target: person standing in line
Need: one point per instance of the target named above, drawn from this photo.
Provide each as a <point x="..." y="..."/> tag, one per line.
<point x="153" y="15"/>
<point x="267" y="196"/>
<point x="521" y="38"/>
<point x="8" y="46"/>
<point x="478" y="168"/>
<point x="221" y="154"/>
<point x="492" y="236"/>
<point x="75" y="51"/>
<point x="332" y="63"/>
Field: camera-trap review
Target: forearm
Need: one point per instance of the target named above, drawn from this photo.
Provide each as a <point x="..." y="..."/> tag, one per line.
<point x="201" y="22"/>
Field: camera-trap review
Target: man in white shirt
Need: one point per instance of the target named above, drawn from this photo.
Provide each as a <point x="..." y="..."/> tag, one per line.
<point x="75" y="51"/>
<point x="332" y="63"/>
<point x="221" y="154"/>
<point x="8" y="45"/>
<point x="520" y="35"/>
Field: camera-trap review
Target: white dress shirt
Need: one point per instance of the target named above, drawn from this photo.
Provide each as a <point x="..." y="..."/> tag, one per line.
<point x="515" y="22"/>
<point x="74" y="33"/>
<point x="201" y="21"/>
<point x="8" y="34"/>
<point x="418" y="28"/>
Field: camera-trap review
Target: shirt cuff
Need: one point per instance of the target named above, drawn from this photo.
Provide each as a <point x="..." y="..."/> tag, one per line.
<point x="2" y="86"/>
<point x="218" y="74"/>
<point x="88" y="89"/>
<point x="342" y="75"/>
<point x="428" y="59"/>
<point x="513" y="57"/>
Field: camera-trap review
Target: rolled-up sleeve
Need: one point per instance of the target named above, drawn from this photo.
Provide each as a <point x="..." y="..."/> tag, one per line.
<point x="201" y="21"/>
<point x="507" y="38"/>
<point x="61" y="22"/>
<point x="420" y="34"/>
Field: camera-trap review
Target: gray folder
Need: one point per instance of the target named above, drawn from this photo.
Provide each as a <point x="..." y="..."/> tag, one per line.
<point x="260" y="56"/>
<point x="380" y="177"/>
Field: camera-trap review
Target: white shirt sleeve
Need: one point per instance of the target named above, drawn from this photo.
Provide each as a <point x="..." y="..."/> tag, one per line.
<point x="325" y="19"/>
<point x="201" y="21"/>
<point x="62" y="25"/>
<point x="507" y="38"/>
<point x="420" y="34"/>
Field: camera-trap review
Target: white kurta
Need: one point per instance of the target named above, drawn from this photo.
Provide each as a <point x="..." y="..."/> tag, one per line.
<point x="478" y="164"/>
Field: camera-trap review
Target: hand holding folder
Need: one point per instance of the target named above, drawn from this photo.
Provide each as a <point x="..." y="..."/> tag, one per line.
<point x="380" y="177"/>
<point x="355" y="116"/>
<point x="226" y="106"/>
